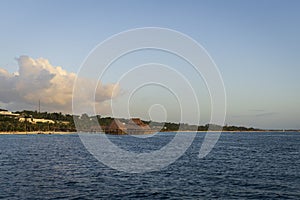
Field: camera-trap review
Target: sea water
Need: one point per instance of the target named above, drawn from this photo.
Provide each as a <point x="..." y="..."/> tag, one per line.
<point x="260" y="165"/>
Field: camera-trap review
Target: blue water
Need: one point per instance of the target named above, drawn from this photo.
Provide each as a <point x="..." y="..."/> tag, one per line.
<point x="241" y="166"/>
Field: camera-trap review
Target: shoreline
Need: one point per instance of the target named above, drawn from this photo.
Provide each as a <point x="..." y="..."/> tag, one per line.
<point x="36" y="133"/>
<point x="64" y="133"/>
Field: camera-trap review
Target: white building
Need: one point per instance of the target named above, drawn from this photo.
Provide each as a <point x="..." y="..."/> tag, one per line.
<point x="7" y="113"/>
<point x="34" y="121"/>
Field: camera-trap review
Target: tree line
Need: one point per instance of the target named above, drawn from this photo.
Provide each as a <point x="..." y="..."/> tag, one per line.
<point x="66" y="123"/>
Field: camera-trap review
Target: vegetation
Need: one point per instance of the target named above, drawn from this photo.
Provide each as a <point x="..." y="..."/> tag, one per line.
<point x="61" y="122"/>
<point x="66" y="123"/>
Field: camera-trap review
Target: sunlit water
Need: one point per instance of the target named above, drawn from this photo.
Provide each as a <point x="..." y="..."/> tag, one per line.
<point x="241" y="166"/>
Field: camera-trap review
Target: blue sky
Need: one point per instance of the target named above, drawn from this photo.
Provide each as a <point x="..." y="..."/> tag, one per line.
<point x="255" y="44"/>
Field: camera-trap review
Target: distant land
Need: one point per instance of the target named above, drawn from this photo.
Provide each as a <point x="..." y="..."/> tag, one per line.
<point x="43" y="122"/>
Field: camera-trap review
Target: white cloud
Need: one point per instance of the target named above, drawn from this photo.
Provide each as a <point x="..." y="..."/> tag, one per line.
<point x="37" y="79"/>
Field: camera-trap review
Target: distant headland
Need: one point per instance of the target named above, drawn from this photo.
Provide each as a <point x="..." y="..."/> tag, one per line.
<point x="34" y="122"/>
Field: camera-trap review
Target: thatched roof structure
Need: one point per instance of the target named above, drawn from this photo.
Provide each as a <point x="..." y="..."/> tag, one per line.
<point x="133" y="126"/>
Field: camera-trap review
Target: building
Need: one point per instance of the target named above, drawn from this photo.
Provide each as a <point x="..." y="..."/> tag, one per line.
<point x="30" y="119"/>
<point x="34" y="121"/>
<point x="116" y="127"/>
<point x="7" y="113"/>
<point x="134" y="126"/>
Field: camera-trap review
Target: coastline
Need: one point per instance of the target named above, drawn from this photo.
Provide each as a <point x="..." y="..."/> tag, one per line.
<point x="36" y="133"/>
<point x="64" y="133"/>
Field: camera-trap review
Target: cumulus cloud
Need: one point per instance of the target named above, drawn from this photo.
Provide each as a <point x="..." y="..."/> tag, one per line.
<point x="37" y="80"/>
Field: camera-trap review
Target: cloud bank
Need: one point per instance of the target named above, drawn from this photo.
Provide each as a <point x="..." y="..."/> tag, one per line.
<point x="37" y="79"/>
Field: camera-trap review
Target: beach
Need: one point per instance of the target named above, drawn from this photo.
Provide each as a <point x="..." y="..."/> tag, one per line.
<point x="35" y="132"/>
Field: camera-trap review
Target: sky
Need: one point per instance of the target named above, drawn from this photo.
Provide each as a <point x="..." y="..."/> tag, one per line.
<point x="255" y="45"/>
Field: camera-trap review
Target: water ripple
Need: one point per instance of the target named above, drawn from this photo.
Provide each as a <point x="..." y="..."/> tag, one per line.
<point x="241" y="166"/>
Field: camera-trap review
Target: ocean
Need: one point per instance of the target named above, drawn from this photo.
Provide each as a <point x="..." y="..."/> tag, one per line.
<point x="258" y="165"/>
